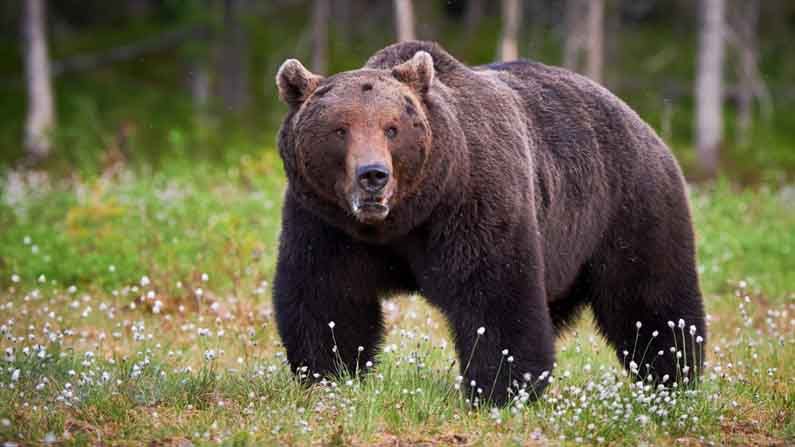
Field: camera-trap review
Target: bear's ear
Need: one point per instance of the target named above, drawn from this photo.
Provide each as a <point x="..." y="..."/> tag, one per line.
<point x="295" y="82"/>
<point x="417" y="72"/>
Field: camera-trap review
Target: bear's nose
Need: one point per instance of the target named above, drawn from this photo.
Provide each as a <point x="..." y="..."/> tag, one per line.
<point x="372" y="178"/>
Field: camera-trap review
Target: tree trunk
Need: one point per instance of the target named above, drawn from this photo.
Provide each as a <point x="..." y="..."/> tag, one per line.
<point x="199" y="85"/>
<point x="404" y="20"/>
<point x="234" y="58"/>
<point x="746" y="18"/>
<point x="596" y="13"/>
<point x="342" y="20"/>
<point x="320" y="19"/>
<point x="613" y="32"/>
<point x="709" y="85"/>
<point x="511" y="20"/>
<point x="40" y="121"/>
<point x="474" y="14"/>
<point x="574" y="40"/>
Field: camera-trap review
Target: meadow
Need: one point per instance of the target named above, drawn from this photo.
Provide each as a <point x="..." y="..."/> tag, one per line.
<point x="135" y="310"/>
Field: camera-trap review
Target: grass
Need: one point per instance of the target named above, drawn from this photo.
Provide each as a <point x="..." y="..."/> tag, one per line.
<point x="135" y="309"/>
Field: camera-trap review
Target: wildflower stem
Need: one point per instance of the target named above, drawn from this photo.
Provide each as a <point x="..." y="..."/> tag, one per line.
<point x="496" y="377"/>
<point x="693" y="354"/>
<point x="684" y="347"/>
<point x="471" y="355"/>
<point x="337" y="351"/>
<point x="676" y="358"/>
<point x="645" y="351"/>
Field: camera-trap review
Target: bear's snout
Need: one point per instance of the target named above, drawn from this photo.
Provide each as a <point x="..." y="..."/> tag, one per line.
<point x="369" y="198"/>
<point x="372" y="177"/>
<point x="370" y="181"/>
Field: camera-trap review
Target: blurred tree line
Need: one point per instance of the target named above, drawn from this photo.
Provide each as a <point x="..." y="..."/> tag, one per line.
<point x="714" y="75"/>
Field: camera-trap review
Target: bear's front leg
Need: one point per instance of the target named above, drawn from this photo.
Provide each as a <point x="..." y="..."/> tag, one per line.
<point x="325" y="297"/>
<point x="503" y="331"/>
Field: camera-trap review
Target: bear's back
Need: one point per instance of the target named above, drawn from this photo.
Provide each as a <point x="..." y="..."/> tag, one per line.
<point x="569" y="108"/>
<point x="592" y="155"/>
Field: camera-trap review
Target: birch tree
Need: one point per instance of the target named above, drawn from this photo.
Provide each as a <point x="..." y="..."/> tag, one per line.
<point x="233" y="58"/>
<point x="40" y="121"/>
<point x="574" y="39"/>
<point x="743" y="19"/>
<point x="584" y="21"/>
<point x="596" y="14"/>
<point x="709" y="85"/>
<point x="320" y="19"/>
<point x="511" y="21"/>
<point x="404" y="20"/>
<point x="474" y="14"/>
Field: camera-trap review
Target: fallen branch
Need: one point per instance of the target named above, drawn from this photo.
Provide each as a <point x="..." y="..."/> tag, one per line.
<point x="86" y="62"/>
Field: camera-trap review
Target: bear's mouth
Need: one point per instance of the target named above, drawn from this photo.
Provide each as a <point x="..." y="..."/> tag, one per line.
<point x="370" y="210"/>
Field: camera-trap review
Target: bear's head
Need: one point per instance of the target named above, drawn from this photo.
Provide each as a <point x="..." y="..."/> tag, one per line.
<point x="357" y="141"/>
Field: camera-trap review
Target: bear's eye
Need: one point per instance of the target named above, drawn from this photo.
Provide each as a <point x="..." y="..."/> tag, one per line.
<point x="341" y="132"/>
<point x="391" y="132"/>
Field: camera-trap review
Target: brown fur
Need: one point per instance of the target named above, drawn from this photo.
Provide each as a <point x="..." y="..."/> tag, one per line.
<point x="518" y="193"/>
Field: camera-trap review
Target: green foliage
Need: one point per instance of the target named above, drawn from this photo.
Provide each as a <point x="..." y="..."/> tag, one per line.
<point x="148" y="102"/>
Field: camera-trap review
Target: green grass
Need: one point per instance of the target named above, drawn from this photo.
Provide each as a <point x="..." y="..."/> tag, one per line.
<point x="95" y="359"/>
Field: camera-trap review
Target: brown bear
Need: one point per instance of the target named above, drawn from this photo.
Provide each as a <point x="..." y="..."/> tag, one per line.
<point x="509" y="195"/>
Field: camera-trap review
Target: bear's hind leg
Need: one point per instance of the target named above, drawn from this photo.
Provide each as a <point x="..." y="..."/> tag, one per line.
<point x="653" y="338"/>
<point x="655" y="321"/>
